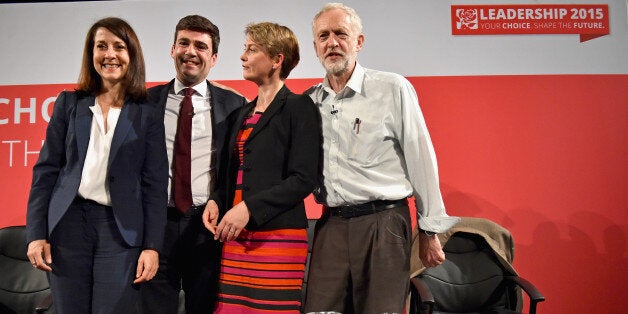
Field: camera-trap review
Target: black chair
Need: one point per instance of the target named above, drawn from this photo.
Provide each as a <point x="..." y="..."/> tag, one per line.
<point x="474" y="278"/>
<point x="23" y="289"/>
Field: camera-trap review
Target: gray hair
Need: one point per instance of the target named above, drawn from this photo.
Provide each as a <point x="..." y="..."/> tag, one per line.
<point x="356" y="22"/>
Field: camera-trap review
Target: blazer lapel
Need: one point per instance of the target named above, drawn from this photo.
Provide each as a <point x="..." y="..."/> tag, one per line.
<point x="83" y="124"/>
<point x="273" y="108"/>
<point x="235" y="128"/>
<point x="163" y="95"/>
<point x="127" y="115"/>
<point x="218" y="112"/>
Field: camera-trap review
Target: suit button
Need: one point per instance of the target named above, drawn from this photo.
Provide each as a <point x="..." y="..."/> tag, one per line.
<point x="247" y="150"/>
<point x="111" y="179"/>
<point x="245" y="187"/>
<point x="246" y="169"/>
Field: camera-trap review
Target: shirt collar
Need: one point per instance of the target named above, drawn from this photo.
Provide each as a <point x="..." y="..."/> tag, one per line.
<point x="355" y="81"/>
<point x="200" y="88"/>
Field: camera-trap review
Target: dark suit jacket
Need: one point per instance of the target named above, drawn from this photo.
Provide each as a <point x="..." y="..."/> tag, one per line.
<point x="280" y="162"/>
<point x="137" y="175"/>
<point x="223" y="102"/>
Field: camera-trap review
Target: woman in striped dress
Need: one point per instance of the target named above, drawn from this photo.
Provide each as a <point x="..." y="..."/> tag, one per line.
<point x="271" y="167"/>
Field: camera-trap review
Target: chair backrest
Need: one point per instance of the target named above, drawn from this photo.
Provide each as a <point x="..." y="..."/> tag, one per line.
<point x="311" y="225"/>
<point x="22" y="287"/>
<point x="470" y="279"/>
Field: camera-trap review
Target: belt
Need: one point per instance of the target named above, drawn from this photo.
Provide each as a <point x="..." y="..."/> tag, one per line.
<point x="351" y="211"/>
<point x="175" y="213"/>
<point x="83" y="201"/>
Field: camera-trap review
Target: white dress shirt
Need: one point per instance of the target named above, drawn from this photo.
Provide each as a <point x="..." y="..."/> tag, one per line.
<point x="94" y="184"/>
<point x="376" y="146"/>
<point x="202" y="149"/>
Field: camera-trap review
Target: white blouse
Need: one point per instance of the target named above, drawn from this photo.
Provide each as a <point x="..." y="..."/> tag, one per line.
<point x="93" y="184"/>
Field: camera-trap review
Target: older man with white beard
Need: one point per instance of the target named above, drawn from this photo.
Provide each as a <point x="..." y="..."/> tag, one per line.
<point x="376" y="153"/>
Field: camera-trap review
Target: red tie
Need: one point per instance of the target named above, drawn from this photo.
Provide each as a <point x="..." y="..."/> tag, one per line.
<point x="182" y="186"/>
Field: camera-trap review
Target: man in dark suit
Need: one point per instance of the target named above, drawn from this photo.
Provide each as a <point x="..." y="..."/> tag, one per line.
<point x="190" y="256"/>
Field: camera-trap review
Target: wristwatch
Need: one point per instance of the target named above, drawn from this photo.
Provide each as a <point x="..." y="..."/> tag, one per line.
<point x="428" y="233"/>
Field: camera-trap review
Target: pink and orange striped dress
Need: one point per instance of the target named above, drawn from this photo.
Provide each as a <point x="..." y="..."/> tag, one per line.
<point x="261" y="271"/>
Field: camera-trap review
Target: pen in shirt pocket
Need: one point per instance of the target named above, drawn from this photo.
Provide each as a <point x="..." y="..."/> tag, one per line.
<point x="356" y="125"/>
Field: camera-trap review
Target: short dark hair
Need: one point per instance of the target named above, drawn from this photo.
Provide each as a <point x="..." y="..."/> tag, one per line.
<point x="276" y="39"/>
<point x="90" y="82"/>
<point x="199" y="24"/>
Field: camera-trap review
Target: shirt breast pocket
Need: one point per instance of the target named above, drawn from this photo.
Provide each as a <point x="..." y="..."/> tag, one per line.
<point x="366" y="142"/>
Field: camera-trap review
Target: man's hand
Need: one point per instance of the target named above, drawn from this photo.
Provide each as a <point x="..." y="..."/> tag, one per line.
<point x="39" y="254"/>
<point x="210" y="216"/>
<point x="147" y="265"/>
<point x="430" y="251"/>
<point x="229" y="89"/>
<point x="232" y="223"/>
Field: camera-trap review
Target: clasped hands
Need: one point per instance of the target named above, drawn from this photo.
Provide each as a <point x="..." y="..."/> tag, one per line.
<point x="231" y="224"/>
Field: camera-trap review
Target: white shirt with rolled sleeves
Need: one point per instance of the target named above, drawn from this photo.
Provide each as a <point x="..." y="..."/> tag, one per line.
<point x="376" y="146"/>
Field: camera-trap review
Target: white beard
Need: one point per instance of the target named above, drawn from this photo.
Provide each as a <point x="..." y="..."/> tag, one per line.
<point x="335" y="68"/>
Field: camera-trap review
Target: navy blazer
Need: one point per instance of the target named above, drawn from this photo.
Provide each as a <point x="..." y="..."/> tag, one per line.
<point x="137" y="175"/>
<point x="281" y="158"/>
<point x="223" y="102"/>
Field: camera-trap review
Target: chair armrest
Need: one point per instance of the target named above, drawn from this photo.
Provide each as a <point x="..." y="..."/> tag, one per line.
<point x="422" y="300"/>
<point x="44" y="305"/>
<point x="533" y="293"/>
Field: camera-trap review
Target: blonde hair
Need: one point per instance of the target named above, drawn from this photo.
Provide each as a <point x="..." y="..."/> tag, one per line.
<point x="276" y="39"/>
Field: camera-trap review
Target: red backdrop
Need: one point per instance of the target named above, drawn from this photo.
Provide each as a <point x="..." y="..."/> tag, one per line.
<point x="544" y="156"/>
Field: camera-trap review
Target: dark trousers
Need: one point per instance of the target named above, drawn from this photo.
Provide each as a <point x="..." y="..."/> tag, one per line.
<point x="92" y="267"/>
<point x="361" y="264"/>
<point x="190" y="261"/>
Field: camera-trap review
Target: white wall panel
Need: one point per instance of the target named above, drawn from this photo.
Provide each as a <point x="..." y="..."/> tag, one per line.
<point x="41" y="43"/>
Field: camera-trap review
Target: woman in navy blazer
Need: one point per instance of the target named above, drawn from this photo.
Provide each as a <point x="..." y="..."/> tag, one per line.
<point x="271" y="162"/>
<point x="97" y="205"/>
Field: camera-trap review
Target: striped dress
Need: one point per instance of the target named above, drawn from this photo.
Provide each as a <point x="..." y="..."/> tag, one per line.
<point x="261" y="271"/>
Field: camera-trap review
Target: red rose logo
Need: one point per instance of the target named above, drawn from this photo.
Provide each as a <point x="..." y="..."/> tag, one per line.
<point x="467" y="19"/>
